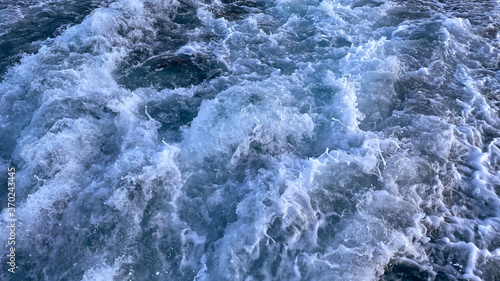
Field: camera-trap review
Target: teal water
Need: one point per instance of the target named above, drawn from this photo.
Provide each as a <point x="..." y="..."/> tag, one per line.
<point x="252" y="140"/>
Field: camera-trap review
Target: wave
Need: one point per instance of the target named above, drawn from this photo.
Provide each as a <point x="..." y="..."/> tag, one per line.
<point x="256" y="140"/>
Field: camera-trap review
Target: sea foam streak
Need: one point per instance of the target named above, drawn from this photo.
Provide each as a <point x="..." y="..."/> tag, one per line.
<point x="255" y="140"/>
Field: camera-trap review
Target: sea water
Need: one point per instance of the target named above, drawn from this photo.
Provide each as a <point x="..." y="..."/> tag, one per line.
<point x="251" y="140"/>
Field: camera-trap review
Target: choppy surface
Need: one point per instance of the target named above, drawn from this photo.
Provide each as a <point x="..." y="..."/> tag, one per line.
<point x="253" y="140"/>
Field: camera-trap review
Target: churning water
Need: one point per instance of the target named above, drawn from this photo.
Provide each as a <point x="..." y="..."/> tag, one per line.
<point x="251" y="140"/>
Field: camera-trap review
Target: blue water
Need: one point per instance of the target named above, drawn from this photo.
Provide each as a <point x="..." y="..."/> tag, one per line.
<point x="251" y="140"/>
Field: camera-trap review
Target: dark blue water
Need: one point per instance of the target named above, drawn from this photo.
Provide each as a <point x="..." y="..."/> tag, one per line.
<point x="251" y="140"/>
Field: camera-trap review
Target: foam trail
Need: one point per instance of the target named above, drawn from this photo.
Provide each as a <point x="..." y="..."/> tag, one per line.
<point x="254" y="140"/>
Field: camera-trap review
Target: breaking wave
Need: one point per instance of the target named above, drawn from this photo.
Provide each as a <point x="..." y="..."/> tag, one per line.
<point x="252" y="140"/>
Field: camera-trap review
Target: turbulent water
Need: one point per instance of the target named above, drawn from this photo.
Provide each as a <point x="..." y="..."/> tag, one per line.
<point x="251" y="140"/>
